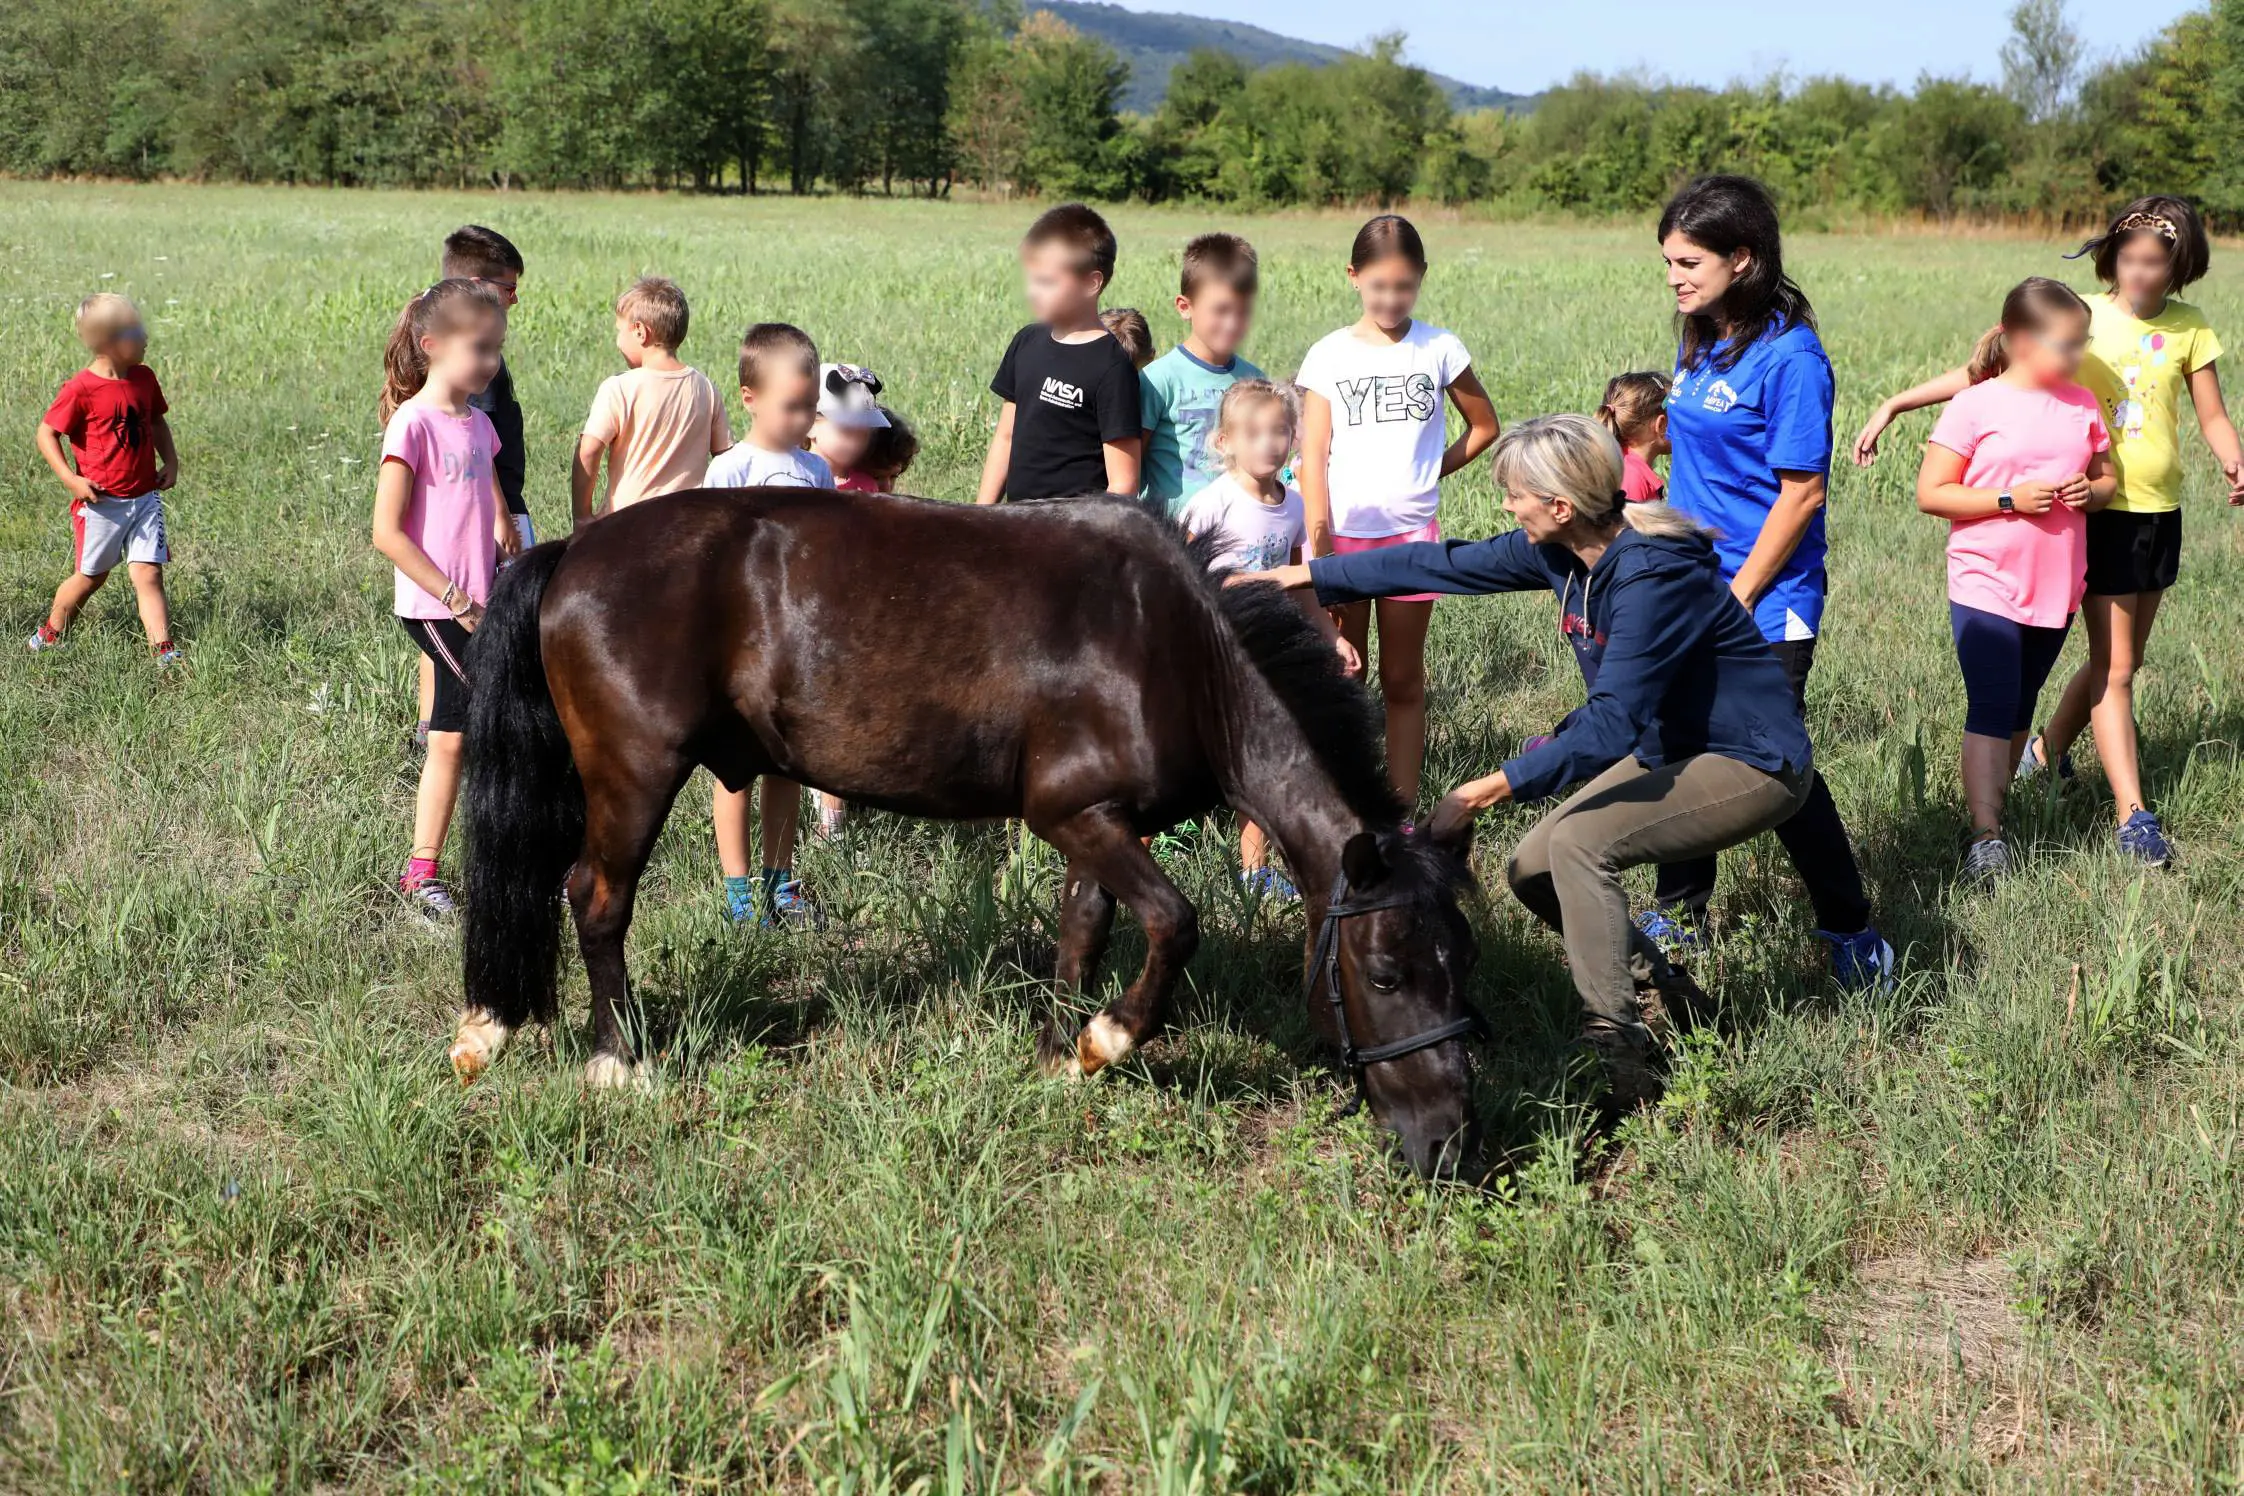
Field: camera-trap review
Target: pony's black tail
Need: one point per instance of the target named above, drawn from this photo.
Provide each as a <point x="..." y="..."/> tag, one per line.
<point x="525" y="805"/>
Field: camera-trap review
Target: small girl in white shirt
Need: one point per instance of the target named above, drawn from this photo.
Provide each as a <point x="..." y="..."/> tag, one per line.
<point x="1374" y="450"/>
<point x="1260" y="524"/>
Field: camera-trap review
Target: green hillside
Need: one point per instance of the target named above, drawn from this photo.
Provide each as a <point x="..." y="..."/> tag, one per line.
<point x="1153" y="42"/>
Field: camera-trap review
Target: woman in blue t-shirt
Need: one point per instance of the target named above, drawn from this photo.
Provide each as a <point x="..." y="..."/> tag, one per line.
<point x="1749" y="421"/>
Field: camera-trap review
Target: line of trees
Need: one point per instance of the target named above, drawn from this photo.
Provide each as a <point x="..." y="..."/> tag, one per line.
<point x="911" y="96"/>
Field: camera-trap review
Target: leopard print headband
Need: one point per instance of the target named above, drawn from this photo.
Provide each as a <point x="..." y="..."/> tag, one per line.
<point x="2162" y="227"/>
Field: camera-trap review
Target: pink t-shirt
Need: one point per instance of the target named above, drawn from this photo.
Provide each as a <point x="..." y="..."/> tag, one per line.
<point x="2029" y="568"/>
<point x="453" y="504"/>
<point x="1639" y="480"/>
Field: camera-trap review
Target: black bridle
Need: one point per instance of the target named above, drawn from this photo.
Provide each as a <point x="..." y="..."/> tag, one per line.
<point x="1324" y="965"/>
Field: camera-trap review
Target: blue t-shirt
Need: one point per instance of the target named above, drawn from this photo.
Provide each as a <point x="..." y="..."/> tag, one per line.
<point x="1178" y="397"/>
<point x="1732" y="432"/>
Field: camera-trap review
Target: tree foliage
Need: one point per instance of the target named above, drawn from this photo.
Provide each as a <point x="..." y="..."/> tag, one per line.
<point x="908" y="95"/>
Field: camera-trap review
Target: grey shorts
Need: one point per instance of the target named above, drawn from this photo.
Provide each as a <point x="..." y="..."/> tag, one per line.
<point x="108" y="531"/>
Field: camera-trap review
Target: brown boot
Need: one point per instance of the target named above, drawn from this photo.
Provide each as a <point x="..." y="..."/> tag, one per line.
<point x="1671" y="1003"/>
<point x="1632" y="1059"/>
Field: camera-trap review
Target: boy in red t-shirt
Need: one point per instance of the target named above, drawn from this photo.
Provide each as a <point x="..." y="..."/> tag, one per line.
<point x="112" y="415"/>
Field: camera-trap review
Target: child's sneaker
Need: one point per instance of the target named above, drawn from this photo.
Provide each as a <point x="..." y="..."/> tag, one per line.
<point x="1863" y="961"/>
<point x="1986" y="859"/>
<point x="168" y="654"/>
<point x="2031" y="764"/>
<point x="1268" y="883"/>
<point x="44" y="638"/>
<point x="2144" y="839"/>
<point x="789" y="906"/>
<point x="430" y="899"/>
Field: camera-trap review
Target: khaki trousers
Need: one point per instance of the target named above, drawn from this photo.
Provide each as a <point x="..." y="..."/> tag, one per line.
<point x="1567" y="870"/>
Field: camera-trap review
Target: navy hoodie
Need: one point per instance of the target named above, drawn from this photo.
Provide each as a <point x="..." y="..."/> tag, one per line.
<point x="1676" y="666"/>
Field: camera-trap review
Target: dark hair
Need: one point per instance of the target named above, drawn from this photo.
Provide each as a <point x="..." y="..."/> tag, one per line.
<point x="1389" y="236"/>
<point x="2172" y="220"/>
<point x="766" y="345"/>
<point x="1079" y="228"/>
<point x="657" y="304"/>
<point x="2028" y="308"/>
<point x="473" y="252"/>
<point x="1724" y="214"/>
<point x="443" y="307"/>
<point x="1632" y="403"/>
<point x="1127" y="326"/>
<point x="1224" y="258"/>
<point x="890" y="449"/>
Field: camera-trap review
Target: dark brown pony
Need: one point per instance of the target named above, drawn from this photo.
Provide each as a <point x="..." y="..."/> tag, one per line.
<point x="1070" y="663"/>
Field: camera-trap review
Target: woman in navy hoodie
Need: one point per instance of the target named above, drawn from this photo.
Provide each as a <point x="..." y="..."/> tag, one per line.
<point x="1691" y="740"/>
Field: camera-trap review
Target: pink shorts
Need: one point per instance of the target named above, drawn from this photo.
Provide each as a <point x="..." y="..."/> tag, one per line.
<point x="1349" y="545"/>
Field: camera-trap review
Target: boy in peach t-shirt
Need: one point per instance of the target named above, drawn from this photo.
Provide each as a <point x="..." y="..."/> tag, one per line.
<point x="659" y="422"/>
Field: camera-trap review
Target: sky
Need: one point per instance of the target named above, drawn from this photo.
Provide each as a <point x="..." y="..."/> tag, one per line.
<point x="1527" y="45"/>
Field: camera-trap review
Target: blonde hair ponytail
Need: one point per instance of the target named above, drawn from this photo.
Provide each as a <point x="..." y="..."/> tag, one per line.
<point x="1577" y="459"/>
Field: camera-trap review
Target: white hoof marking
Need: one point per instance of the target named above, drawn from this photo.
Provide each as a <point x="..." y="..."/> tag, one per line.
<point x="477" y="1044"/>
<point x="607" y="1072"/>
<point x="1104" y="1041"/>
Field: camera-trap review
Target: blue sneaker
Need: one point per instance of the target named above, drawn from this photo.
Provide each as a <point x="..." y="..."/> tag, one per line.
<point x="1863" y="961"/>
<point x="2031" y="764"/>
<point x="2144" y="839"/>
<point x="1675" y="937"/>
<point x="788" y="906"/>
<point x="1267" y="882"/>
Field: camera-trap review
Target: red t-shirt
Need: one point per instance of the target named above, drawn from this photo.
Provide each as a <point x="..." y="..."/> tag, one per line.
<point x="111" y="427"/>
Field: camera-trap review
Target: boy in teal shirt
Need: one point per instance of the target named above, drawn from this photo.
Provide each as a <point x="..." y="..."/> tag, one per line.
<point x="1180" y="392"/>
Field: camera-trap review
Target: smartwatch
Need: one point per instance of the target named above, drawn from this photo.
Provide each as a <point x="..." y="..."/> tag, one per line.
<point x="2006" y="503"/>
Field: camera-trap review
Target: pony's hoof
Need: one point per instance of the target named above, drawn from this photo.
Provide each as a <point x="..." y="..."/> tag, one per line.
<point x="477" y="1044"/>
<point x="607" y="1072"/>
<point x="1055" y="1053"/>
<point x="1102" y="1042"/>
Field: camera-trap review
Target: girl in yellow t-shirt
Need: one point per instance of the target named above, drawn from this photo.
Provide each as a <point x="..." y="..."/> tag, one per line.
<point x="2145" y="348"/>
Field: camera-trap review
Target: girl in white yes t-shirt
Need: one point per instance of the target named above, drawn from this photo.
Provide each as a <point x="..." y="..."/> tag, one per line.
<point x="1257" y="520"/>
<point x="1374" y="449"/>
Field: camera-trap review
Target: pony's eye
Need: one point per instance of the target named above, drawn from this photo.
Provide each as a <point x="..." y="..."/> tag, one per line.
<point x="1384" y="977"/>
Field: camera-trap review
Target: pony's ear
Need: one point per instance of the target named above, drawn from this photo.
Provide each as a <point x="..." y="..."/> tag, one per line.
<point x="1363" y="862"/>
<point x="1457" y="843"/>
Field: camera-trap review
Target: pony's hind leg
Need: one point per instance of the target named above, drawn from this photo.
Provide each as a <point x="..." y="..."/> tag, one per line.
<point x="1086" y="920"/>
<point x="625" y="808"/>
<point x="1101" y="844"/>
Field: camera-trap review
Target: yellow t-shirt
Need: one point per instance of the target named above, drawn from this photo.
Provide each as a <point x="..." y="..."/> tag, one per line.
<point x="2139" y="369"/>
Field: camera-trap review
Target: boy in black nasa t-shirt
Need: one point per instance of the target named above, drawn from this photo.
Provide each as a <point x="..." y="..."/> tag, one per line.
<point x="1070" y="426"/>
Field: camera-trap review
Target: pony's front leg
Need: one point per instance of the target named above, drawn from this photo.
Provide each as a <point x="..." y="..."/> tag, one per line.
<point x="1086" y="920"/>
<point x="624" y="813"/>
<point x="1099" y="844"/>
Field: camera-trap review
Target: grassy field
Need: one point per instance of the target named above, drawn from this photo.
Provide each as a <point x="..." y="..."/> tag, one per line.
<point x="1982" y="1234"/>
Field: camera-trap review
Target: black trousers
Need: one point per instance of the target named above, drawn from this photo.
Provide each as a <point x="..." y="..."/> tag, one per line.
<point x="1815" y="839"/>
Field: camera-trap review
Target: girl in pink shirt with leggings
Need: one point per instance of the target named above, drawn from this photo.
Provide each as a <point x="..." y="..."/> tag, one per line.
<point x="438" y="520"/>
<point x="2015" y="466"/>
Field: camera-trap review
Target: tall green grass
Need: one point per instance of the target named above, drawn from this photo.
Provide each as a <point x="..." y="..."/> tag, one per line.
<point x="1981" y="1234"/>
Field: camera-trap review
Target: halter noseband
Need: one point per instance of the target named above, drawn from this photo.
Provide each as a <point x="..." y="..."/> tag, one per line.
<point x="1325" y="965"/>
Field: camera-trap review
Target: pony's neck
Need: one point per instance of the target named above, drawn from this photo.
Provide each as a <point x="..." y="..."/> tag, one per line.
<point x="1278" y="782"/>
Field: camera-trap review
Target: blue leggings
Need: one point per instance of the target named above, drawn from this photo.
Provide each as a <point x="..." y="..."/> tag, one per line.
<point x="2005" y="664"/>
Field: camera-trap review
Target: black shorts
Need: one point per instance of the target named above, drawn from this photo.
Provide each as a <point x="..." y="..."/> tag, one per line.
<point x="2130" y="553"/>
<point x="446" y="645"/>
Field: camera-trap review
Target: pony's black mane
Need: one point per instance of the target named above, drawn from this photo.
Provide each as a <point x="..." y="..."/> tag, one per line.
<point x="1334" y="713"/>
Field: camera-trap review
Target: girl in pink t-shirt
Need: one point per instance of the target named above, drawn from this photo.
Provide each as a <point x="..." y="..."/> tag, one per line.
<point x="1635" y="411"/>
<point x="2016" y="464"/>
<point x="438" y="520"/>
